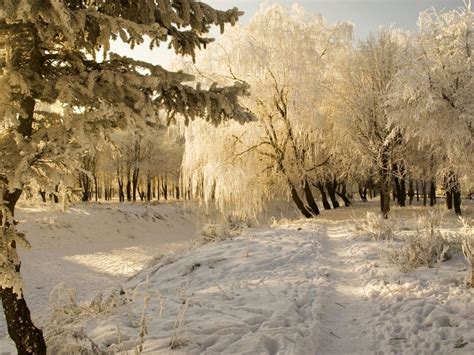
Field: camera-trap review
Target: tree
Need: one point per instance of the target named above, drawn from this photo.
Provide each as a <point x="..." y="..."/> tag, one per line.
<point x="286" y="55"/>
<point x="433" y="99"/>
<point x="363" y="90"/>
<point x="50" y="55"/>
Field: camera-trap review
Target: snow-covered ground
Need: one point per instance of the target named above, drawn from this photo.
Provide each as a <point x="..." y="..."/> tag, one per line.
<point x="94" y="247"/>
<point x="298" y="287"/>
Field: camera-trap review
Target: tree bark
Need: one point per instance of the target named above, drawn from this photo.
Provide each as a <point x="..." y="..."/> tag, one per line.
<point x="411" y="192"/>
<point x="400" y="186"/>
<point x="423" y="191"/>
<point x="432" y="192"/>
<point x="129" y="186"/>
<point x="385" y="201"/>
<point x="385" y="183"/>
<point x="313" y="206"/>
<point x="457" y="202"/>
<point x="43" y="195"/>
<point x="148" y="189"/>
<point x="343" y="194"/>
<point x="27" y="337"/>
<point x="331" y="187"/>
<point x="164" y="185"/>
<point x="324" y="197"/>
<point x="363" y="193"/>
<point x="299" y="203"/>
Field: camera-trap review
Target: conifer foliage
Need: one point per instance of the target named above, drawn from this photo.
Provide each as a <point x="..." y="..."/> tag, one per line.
<point x="57" y="52"/>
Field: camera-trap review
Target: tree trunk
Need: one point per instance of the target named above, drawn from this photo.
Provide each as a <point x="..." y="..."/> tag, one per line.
<point x="164" y="183"/>
<point x="417" y="192"/>
<point x="423" y="191"/>
<point x="136" y="173"/>
<point x="96" y="187"/>
<point x="457" y="202"/>
<point x="313" y="206"/>
<point x="27" y="337"/>
<point x="324" y="197"/>
<point x="432" y="192"/>
<point x="299" y="203"/>
<point x="385" y="201"/>
<point x="177" y="192"/>
<point x="385" y="183"/>
<point x="343" y="194"/>
<point x="43" y="195"/>
<point x="331" y="187"/>
<point x="411" y="192"/>
<point x="363" y="193"/>
<point x="129" y="186"/>
<point x="400" y="193"/>
<point x="56" y="194"/>
<point x="456" y="191"/>
<point x="148" y="189"/>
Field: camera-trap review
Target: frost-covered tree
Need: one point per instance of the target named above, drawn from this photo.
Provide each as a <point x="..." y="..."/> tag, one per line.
<point x="433" y="100"/>
<point x="58" y="52"/>
<point x="286" y="55"/>
<point x="363" y="89"/>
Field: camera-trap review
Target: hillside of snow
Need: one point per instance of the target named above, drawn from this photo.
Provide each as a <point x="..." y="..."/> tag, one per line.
<point x="92" y="248"/>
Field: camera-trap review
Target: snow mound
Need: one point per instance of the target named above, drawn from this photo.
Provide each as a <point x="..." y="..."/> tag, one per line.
<point x="255" y="293"/>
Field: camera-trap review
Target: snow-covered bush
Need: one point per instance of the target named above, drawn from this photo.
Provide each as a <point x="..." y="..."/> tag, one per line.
<point x="211" y="233"/>
<point x="427" y="247"/>
<point x="467" y="247"/>
<point x="376" y="227"/>
<point x="61" y="334"/>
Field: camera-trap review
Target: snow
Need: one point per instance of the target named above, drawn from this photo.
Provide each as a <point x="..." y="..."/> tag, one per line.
<point x="94" y="247"/>
<point x="296" y="287"/>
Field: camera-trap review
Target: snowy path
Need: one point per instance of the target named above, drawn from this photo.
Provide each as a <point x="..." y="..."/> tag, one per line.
<point x="345" y="307"/>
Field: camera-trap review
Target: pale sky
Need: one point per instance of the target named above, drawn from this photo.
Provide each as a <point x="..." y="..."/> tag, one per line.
<point x="366" y="15"/>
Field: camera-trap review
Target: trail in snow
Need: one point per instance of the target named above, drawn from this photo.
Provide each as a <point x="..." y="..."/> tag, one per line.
<point x="345" y="308"/>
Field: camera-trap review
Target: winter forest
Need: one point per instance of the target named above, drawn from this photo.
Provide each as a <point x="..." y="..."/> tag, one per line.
<point x="281" y="185"/>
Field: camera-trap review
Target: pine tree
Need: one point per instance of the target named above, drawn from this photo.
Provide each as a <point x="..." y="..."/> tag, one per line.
<point x="57" y="52"/>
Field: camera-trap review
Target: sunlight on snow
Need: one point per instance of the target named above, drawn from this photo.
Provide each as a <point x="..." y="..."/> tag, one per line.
<point x="119" y="262"/>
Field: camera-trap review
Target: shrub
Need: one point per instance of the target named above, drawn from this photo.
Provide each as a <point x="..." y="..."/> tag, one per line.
<point x="376" y="227"/>
<point x="427" y="247"/>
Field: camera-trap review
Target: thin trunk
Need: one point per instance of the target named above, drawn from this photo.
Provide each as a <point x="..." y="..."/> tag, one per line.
<point x="148" y="189"/>
<point x="385" y="183"/>
<point x="423" y="191"/>
<point x="299" y="203"/>
<point x="43" y="195"/>
<point x="363" y="193"/>
<point x="313" y="206"/>
<point x="135" y="175"/>
<point x="411" y="192"/>
<point x="96" y="187"/>
<point x="177" y="192"/>
<point x="331" y="187"/>
<point x="456" y="191"/>
<point x="417" y="192"/>
<point x="457" y="202"/>
<point x="129" y="186"/>
<point x="27" y="337"/>
<point x="432" y="192"/>
<point x="324" y="197"/>
<point x="343" y="194"/>
<point x="400" y="194"/>
<point x="164" y="184"/>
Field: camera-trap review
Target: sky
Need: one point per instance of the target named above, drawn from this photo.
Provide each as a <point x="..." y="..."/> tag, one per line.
<point x="366" y="15"/>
